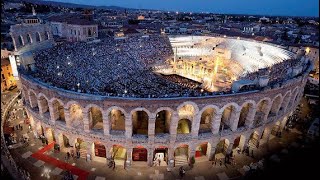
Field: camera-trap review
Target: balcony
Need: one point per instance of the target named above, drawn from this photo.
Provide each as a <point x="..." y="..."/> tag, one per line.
<point x="162" y="138"/>
<point x="139" y="138"/>
<point x="205" y="135"/>
<point x="183" y="137"/>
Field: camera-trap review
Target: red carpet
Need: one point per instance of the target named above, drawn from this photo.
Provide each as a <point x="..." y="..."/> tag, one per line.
<point x="82" y="174"/>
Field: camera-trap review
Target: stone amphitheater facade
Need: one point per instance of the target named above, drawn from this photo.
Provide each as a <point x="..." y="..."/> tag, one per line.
<point x="266" y="111"/>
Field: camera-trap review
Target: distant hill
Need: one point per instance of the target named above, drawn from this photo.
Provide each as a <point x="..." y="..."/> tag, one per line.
<point x="68" y="5"/>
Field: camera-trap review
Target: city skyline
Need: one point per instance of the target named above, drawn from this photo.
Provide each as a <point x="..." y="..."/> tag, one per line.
<point x="308" y="8"/>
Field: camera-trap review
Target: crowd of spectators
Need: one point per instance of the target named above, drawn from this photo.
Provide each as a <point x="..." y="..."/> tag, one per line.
<point x="124" y="67"/>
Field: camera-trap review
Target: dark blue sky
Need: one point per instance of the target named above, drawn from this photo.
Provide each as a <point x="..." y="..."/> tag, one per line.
<point x="263" y="7"/>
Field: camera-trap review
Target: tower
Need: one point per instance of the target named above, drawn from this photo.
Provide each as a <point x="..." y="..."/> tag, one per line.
<point x="33" y="11"/>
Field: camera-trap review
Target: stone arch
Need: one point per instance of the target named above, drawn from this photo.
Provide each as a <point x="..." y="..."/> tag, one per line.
<point x="208" y="114"/>
<point x="95" y="117"/>
<point x="29" y="38"/>
<point x="43" y="104"/>
<point x="276" y="103"/>
<point x="246" y="113"/>
<point x="293" y="96"/>
<point x="229" y="113"/>
<point x="57" y="110"/>
<point x="100" y="150"/>
<point x="261" y="111"/>
<point x="163" y="120"/>
<point x="203" y="149"/>
<point x="46" y="35"/>
<point x="181" y="154"/>
<point x="33" y="99"/>
<point x="119" y="154"/>
<point x="76" y="115"/>
<point x="38" y="36"/>
<point x="139" y="153"/>
<point x="222" y="146"/>
<point x="140" y="121"/>
<point x="187" y="109"/>
<point x="254" y="139"/>
<point x="20" y="40"/>
<point x="117" y="119"/>
<point x="285" y="102"/>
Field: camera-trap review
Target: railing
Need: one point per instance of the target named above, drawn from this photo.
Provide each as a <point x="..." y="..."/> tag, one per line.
<point x="183" y="137"/>
<point x="205" y="135"/>
<point x="139" y="138"/>
<point x="162" y="138"/>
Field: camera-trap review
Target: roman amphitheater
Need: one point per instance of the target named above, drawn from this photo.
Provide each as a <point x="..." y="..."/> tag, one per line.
<point x="139" y="121"/>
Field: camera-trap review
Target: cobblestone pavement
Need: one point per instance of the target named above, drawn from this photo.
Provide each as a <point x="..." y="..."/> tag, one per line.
<point x="99" y="170"/>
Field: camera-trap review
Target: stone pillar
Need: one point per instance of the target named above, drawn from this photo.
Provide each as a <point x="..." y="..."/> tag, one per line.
<point x="90" y="149"/>
<point x="212" y="152"/>
<point x="128" y="127"/>
<point x="150" y="156"/>
<point x="86" y="123"/>
<point x="72" y="141"/>
<point x="192" y="151"/>
<point x="59" y="139"/>
<point x="235" y="119"/>
<point x="173" y="127"/>
<point x="151" y="129"/>
<point x="40" y="108"/>
<point x="106" y="124"/>
<point x="67" y="117"/>
<point x="246" y="143"/>
<point x="230" y="147"/>
<point x="52" y="114"/>
<point x="250" y="117"/>
<point x="216" y="123"/>
<point x="195" y="126"/>
<point x="129" y="156"/>
<point x="268" y="109"/>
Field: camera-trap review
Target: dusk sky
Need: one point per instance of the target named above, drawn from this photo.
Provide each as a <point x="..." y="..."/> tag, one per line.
<point x="261" y="7"/>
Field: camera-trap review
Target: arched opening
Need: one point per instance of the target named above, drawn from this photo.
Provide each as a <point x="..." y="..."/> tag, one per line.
<point x="100" y="150"/>
<point x="206" y="120"/>
<point x="89" y="32"/>
<point x="261" y="113"/>
<point x="184" y="126"/>
<point x="275" y="107"/>
<point x="187" y="111"/>
<point x="163" y="120"/>
<point x="66" y="142"/>
<point x="58" y="111"/>
<point x="29" y="39"/>
<point x="33" y="101"/>
<point x="46" y="37"/>
<point x="139" y="153"/>
<point x="222" y="146"/>
<point x="264" y="136"/>
<point x="160" y="156"/>
<point x="239" y="143"/>
<point x="44" y="106"/>
<point x="284" y="103"/>
<point x="76" y="117"/>
<point x="227" y="118"/>
<point x="276" y="129"/>
<point x="140" y="122"/>
<point x="246" y="109"/>
<point x="203" y="151"/>
<point x="38" y="37"/>
<point x="118" y="154"/>
<point x="81" y="147"/>
<point x="117" y="121"/>
<point x="254" y="140"/>
<point x="95" y="118"/>
<point x="20" y="40"/>
<point x="293" y="98"/>
<point x="181" y="155"/>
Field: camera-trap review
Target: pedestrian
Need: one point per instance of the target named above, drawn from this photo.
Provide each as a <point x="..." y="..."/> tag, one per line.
<point x="114" y="165"/>
<point x="220" y="162"/>
<point x="68" y="155"/>
<point x="181" y="171"/>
